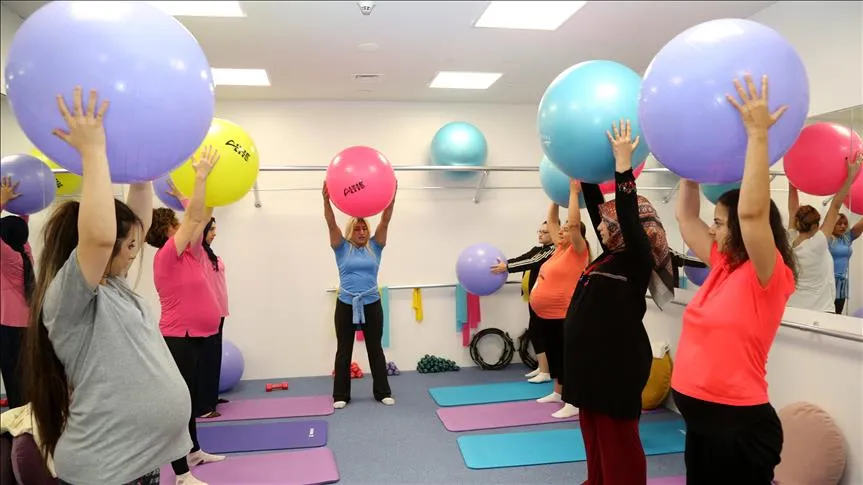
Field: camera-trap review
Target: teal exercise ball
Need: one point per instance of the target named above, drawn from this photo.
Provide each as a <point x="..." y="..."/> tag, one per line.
<point x="555" y="184"/>
<point x="714" y="191"/>
<point x="459" y="143"/>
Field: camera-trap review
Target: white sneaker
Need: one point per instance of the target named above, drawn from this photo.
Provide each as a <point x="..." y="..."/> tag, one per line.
<point x="567" y="411"/>
<point x="200" y="457"/>
<point x="553" y="397"/>
<point x="540" y="378"/>
<point x="339" y="404"/>
<point x="532" y="373"/>
<point x="388" y="401"/>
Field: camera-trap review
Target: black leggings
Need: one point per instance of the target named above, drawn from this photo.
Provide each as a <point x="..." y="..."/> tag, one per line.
<point x="373" y="331"/>
<point x="551" y="332"/>
<point x="151" y="478"/>
<point x="211" y="370"/>
<point x="537" y="338"/>
<point x="11" y="343"/>
<point x="839" y="303"/>
<point x="187" y="352"/>
<point x="729" y="444"/>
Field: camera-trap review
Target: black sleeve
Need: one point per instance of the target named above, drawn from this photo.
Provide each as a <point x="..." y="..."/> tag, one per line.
<point x="530" y="260"/>
<point x="626" y="202"/>
<point x="593" y="198"/>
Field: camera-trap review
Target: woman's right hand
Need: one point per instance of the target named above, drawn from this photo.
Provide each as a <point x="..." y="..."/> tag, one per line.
<point x="753" y="107"/>
<point x="325" y="192"/>
<point x="204" y="164"/>
<point x="85" y="130"/>
<point x="500" y="267"/>
<point x="8" y="190"/>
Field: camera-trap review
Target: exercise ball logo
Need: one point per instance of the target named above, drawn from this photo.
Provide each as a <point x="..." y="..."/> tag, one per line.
<point x="238" y="149"/>
<point x="353" y="189"/>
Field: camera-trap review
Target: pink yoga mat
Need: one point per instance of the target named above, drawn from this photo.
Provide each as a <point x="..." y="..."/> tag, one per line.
<point x="314" y="466"/>
<point x="681" y="480"/>
<point x="272" y="408"/>
<point x="501" y="415"/>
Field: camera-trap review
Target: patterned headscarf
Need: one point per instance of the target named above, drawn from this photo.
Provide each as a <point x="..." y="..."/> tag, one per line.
<point x="662" y="279"/>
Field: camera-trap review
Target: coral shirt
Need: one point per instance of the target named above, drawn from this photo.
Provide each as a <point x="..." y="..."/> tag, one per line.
<point x="556" y="283"/>
<point x="728" y="329"/>
<point x="189" y="305"/>
<point x="14" y="310"/>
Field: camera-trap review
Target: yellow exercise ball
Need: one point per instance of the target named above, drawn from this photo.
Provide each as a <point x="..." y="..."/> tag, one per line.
<point x="67" y="183"/>
<point x="234" y="174"/>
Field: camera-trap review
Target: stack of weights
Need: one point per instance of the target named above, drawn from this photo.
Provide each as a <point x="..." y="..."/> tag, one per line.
<point x="431" y="364"/>
<point x="392" y="370"/>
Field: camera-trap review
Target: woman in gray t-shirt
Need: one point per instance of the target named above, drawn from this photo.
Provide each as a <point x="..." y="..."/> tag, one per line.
<point x="110" y="404"/>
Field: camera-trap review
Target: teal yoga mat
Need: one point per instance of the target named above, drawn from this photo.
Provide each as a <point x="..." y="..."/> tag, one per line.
<point x="483" y="451"/>
<point x="489" y="393"/>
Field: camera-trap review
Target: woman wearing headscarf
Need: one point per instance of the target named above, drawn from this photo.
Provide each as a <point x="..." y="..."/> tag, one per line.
<point x="214" y="269"/>
<point x="16" y="287"/>
<point x="606" y="348"/>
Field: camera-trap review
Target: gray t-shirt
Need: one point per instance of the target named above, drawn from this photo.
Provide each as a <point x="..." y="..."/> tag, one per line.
<point x="130" y="406"/>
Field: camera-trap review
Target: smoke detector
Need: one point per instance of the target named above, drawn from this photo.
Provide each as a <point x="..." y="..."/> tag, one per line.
<point x="366" y="7"/>
<point x="367" y="78"/>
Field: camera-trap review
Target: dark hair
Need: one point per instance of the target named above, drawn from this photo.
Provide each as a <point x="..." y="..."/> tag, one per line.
<point x="734" y="247"/>
<point x="806" y="218"/>
<point x="15" y="232"/>
<point x="583" y="229"/>
<point x="163" y="220"/>
<point x="210" y="254"/>
<point x="46" y="387"/>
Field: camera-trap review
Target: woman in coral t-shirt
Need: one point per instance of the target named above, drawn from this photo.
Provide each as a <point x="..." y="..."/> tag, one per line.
<point x="719" y="382"/>
<point x="553" y="290"/>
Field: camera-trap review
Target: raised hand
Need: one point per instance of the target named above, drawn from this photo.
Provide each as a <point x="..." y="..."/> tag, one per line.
<point x="325" y="192"/>
<point x="853" y="166"/>
<point x="85" y="129"/>
<point x="753" y="107"/>
<point x="204" y="164"/>
<point x="574" y="186"/>
<point x="622" y="144"/>
<point x="8" y="190"/>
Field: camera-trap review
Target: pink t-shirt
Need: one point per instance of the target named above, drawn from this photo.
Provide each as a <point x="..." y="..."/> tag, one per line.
<point x="189" y="305"/>
<point x="14" y="311"/>
<point x="728" y="329"/>
<point x="217" y="281"/>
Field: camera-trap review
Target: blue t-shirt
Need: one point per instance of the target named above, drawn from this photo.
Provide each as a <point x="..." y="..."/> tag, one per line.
<point x="358" y="271"/>
<point x="840" y="249"/>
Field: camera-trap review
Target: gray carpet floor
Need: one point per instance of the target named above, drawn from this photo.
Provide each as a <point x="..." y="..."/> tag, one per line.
<point x="406" y="444"/>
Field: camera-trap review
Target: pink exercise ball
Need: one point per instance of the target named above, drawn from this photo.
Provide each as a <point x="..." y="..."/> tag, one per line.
<point x="817" y="163"/>
<point x="854" y="202"/>
<point x="361" y="181"/>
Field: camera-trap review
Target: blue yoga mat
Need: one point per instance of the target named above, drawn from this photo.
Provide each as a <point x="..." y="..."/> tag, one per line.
<point x="558" y="446"/>
<point x="287" y="435"/>
<point x="489" y="393"/>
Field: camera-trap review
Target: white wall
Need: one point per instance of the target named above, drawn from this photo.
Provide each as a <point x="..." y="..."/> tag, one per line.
<point x="828" y="35"/>
<point x="9" y="23"/>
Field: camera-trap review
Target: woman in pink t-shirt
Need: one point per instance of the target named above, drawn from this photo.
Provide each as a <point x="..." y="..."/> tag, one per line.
<point x="190" y="311"/>
<point x="733" y="434"/>
<point x="16" y="287"/>
<point x="214" y="269"/>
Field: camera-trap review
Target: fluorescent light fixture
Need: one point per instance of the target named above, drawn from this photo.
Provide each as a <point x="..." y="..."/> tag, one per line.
<point x="201" y="9"/>
<point x="464" y="80"/>
<point x="527" y="15"/>
<point x="240" y="77"/>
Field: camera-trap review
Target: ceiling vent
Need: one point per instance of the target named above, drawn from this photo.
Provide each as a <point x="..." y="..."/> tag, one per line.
<point x="368" y="78"/>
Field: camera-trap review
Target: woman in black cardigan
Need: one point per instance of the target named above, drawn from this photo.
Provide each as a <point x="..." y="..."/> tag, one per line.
<point x="606" y="348"/>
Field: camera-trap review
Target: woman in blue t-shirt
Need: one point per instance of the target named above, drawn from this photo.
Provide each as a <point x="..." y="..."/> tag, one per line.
<point x="840" y="249"/>
<point x="358" y="307"/>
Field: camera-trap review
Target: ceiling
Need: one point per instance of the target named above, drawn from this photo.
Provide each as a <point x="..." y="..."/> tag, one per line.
<point x="311" y="49"/>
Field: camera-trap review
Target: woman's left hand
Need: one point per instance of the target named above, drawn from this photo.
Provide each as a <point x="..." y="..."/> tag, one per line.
<point x="622" y="145"/>
<point x="500" y="267"/>
<point x="853" y="166"/>
<point x="8" y="190"/>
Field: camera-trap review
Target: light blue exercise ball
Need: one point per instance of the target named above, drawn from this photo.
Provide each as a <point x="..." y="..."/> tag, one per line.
<point x="714" y="191"/>
<point x="459" y="143"/>
<point x="578" y="108"/>
<point x="555" y="184"/>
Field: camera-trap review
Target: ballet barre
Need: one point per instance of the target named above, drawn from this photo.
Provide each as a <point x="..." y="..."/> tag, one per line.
<point x="424" y="287"/>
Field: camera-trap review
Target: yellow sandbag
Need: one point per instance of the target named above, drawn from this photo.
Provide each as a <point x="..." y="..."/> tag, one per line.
<point x="658" y="384"/>
<point x="525" y="286"/>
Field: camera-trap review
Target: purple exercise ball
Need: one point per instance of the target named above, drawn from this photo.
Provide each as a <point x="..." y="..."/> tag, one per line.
<point x="36" y="183"/>
<point x="142" y="60"/>
<point x="162" y="189"/>
<point x="473" y="269"/>
<point x="696" y="275"/>
<point x="232" y="366"/>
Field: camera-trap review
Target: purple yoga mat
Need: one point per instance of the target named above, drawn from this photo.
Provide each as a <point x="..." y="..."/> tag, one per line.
<point x="306" y="467"/>
<point x="500" y="415"/>
<point x="681" y="480"/>
<point x="269" y="436"/>
<point x="281" y="407"/>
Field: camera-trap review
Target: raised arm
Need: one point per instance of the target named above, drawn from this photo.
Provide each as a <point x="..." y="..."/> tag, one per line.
<point x="695" y="232"/>
<point x="753" y="210"/>
<point x="140" y="200"/>
<point x="857" y="229"/>
<point x="626" y="197"/>
<point x="835" y="204"/>
<point x="97" y="220"/>
<point x="553" y="221"/>
<point x="329" y="216"/>
<point x="574" y="216"/>
<point x="593" y="198"/>
<point x="193" y="218"/>
<point x="380" y="236"/>
<point x="793" y="204"/>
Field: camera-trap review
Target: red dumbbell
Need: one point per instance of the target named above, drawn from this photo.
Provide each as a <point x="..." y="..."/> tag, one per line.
<point x="283" y="386"/>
